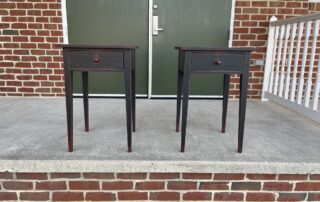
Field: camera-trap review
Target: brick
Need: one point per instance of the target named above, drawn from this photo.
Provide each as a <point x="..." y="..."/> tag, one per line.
<point x="6" y="175"/>
<point x="226" y="176"/>
<point x="7" y="89"/>
<point x="100" y="196"/>
<point x="260" y="196"/>
<point x="276" y="3"/>
<point x="10" y="32"/>
<point x="196" y="175"/>
<point x="228" y="196"/>
<point x="21" y="52"/>
<point x="164" y="196"/>
<point x="4" y="12"/>
<point x="214" y="185"/>
<point x="313" y="197"/>
<point x="259" y="3"/>
<point x="84" y="185"/>
<point x="119" y="185"/>
<point x="7" y="196"/>
<point x="32" y="176"/>
<point x="176" y="185"/>
<point x="51" y="185"/>
<point x="64" y="175"/>
<point x="132" y="196"/>
<point x="15" y="185"/>
<point x="261" y="176"/>
<point x="307" y="186"/>
<point x="34" y="196"/>
<point x="7" y="5"/>
<point x="26" y="90"/>
<point x="197" y="196"/>
<point x="130" y="175"/>
<point x="67" y="196"/>
<point x="17" y="12"/>
<point x="291" y="196"/>
<point x="24" y="5"/>
<point x="91" y="175"/>
<point x="149" y="185"/>
<point x="315" y="177"/>
<point x="292" y="177"/>
<point x="277" y="186"/>
<point x="246" y="186"/>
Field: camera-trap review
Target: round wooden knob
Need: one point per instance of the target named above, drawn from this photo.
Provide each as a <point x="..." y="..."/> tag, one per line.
<point x="96" y="58"/>
<point x="217" y="62"/>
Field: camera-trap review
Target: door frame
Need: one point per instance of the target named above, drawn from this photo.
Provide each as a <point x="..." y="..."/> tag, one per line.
<point x="150" y="51"/>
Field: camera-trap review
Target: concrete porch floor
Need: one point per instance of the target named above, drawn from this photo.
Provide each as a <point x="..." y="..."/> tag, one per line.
<point x="35" y="129"/>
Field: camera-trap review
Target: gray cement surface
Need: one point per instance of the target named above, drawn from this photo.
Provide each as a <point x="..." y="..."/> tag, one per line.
<point x="35" y="129"/>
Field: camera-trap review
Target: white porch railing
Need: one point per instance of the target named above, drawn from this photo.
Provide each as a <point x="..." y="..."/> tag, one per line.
<point x="292" y="68"/>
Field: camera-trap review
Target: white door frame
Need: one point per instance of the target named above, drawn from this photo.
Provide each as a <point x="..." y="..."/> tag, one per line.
<point x="150" y="49"/>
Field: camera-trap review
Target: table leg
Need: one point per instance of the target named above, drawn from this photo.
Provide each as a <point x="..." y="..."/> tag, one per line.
<point x="128" y="92"/>
<point x="69" y="106"/>
<point x="85" y="99"/>
<point x="133" y="78"/>
<point x="226" y="81"/>
<point x="179" y="92"/>
<point x="242" y="109"/>
<point x="186" y="83"/>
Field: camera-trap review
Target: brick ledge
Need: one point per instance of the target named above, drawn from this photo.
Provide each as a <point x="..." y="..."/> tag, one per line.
<point x="157" y="166"/>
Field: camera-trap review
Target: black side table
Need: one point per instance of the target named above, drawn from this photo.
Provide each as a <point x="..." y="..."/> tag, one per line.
<point x="87" y="58"/>
<point x="213" y="60"/>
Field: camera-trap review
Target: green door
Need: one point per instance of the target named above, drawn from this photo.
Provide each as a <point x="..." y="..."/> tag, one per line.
<point x="110" y="22"/>
<point x="201" y="23"/>
<point x="126" y="22"/>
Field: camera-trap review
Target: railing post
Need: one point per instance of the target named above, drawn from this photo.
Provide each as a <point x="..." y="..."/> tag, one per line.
<point x="269" y="59"/>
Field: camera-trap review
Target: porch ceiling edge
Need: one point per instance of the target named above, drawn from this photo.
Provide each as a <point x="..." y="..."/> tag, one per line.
<point x="48" y="166"/>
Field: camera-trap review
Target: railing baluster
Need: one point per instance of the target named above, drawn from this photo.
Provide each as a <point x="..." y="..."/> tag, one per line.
<point x="284" y="56"/>
<point x="276" y="36"/>
<point x="304" y="60"/>
<point x="292" y="38"/>
<point x="296" y="63"/>
<point x="276" y="83"/>
<point x="316" y="91"/>
<point x="313" y="52"/>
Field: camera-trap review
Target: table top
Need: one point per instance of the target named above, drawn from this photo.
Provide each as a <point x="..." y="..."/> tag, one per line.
<point x="240" y="49"/>
<point x="93" y="46"/>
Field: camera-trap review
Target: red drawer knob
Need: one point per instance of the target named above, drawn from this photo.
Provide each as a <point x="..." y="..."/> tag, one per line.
<point x="217" y="62"/>
<point x="96" y="58"/>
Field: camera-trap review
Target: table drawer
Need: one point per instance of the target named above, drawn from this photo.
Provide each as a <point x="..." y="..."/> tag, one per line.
<point x="216" y="62"/>
<point x="96" y="59"/>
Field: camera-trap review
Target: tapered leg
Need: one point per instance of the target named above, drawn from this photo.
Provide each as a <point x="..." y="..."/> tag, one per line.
<point x="85" y="99"/>
<point x="242" y="108"/>
<point x="69" y="106"/>
<point x="133" y="78"/>
<point x="179" y="92"/>
<point x="185" y="87"/>
<point x="226" y="81"/>
<point x="128" y="92"/>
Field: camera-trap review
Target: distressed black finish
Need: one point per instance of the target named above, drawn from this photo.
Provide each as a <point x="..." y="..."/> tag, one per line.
<point x="212" y="60"/>
<point x="86" y="58"/>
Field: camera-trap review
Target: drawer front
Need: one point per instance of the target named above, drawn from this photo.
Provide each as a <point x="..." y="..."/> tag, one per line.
<point x="216" y="62"/>
<point x="81" y="59"/>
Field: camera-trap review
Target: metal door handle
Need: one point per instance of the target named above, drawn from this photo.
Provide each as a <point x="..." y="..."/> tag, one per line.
<point x="155" y="26"/>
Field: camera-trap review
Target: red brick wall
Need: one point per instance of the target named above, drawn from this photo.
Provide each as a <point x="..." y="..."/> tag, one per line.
<point x="30" y="65"/>
<point x="158" y="186"/>
<point x="251" y="29"/>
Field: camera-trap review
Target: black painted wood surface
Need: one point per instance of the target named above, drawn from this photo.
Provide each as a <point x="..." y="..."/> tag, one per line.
<point x="212" y="60"/>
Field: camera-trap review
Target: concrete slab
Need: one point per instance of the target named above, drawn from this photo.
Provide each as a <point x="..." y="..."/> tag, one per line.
<point x="35" y="129"/>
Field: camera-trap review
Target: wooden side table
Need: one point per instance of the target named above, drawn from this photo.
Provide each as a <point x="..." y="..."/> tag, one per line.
<point x="86" y="58"/>
<point x="213" y="60"/>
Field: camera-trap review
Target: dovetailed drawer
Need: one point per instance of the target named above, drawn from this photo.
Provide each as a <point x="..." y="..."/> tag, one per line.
<point x="215" y="62"/>
<point x="96" y="59"/>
